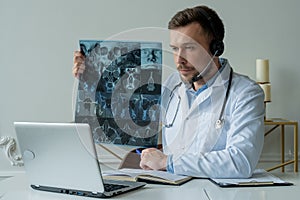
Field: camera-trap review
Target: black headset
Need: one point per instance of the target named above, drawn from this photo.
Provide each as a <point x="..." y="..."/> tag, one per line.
<point x="216" y="46"/>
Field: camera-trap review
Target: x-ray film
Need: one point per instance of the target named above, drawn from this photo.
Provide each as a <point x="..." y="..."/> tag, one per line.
<point x="119" y="92"/>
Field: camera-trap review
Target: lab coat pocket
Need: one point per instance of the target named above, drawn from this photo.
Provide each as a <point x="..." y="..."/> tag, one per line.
<point x="206" y="133"/>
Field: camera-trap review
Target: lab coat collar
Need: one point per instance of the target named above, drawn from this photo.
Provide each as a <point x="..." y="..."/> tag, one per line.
<point x="218" y="80"/>
<point x="222" y="76"/>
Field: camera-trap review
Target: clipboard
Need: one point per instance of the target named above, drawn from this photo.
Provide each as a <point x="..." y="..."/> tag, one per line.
<point x="259" y="178"/>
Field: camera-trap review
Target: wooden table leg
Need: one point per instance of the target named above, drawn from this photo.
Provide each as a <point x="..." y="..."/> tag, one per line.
<point x="282" y="147"/>
<point x="296" y="147"/>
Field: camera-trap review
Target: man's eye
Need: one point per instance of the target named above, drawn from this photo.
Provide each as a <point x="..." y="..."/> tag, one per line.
<point x="174" y="49"/>
<point x="189" y="47"/>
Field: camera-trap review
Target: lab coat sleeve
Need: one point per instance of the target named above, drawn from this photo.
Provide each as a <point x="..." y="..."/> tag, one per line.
<point x="244" y="140"/>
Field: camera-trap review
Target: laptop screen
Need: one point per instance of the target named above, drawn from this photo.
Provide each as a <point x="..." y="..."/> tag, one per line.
<point x="59" y="155"/>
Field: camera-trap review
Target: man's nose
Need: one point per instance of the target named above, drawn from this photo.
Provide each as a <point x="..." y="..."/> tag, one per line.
<point x="180" y="58"/>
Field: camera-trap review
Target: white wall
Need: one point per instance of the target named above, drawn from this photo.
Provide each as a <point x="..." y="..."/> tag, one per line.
<point x="38" y="38"/>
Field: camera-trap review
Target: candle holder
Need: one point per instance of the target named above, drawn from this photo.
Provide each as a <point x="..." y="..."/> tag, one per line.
<point x="265" y="115"/>
<point x="262" y="78"/>
<point x="266" y="87"/>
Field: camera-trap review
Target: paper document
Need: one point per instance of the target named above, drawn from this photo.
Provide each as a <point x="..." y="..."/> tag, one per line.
<point x="260" y="177"/>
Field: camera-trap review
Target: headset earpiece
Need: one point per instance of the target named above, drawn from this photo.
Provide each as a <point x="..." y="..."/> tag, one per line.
<point x="216" y="47"/>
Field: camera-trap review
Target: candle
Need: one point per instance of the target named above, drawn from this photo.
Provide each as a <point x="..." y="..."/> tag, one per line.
<point x="267" y="90"/>
<point x="262" y="70"/>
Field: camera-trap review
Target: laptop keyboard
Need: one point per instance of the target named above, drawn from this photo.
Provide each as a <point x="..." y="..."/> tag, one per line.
<point x="113" y="187"/>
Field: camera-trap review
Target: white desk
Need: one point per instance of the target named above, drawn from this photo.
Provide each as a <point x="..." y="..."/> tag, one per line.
<point x="16" y="188"/>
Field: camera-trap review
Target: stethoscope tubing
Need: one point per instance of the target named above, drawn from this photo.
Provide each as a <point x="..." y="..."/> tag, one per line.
<point x="220" y="121"/>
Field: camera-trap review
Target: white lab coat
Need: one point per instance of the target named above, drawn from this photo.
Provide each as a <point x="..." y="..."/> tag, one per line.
<point x="196" y="147"/>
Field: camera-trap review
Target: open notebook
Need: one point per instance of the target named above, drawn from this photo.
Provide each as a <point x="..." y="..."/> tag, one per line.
<point x="151" y="176"/>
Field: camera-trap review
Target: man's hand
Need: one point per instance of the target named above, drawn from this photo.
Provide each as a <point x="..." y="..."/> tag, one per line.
<point x="78" y="61"/>
<point x="153" y="159"/>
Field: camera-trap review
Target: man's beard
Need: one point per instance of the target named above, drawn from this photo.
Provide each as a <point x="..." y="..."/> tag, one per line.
<point x="186" y="79"/>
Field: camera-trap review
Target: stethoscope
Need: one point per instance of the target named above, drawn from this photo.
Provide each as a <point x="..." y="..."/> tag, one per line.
<point x="219" y="123"/>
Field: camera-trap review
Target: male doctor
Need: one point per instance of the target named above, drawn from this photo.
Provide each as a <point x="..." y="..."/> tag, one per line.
<point x="213" y="119"/>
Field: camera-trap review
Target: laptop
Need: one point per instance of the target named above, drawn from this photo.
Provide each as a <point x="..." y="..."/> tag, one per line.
<point x="61" y="157"/>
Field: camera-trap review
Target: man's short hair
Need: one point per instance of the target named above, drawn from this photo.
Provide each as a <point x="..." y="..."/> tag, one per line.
<point x="213" y="27"/>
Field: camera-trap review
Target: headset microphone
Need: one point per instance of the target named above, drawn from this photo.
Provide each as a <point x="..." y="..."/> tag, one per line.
<point x="204" y="71"/>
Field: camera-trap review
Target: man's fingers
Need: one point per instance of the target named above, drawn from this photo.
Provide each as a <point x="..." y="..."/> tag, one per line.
<point x="78" y="61"/>
<point x="78" y="57"/>
<point x="78" y="54"/>
<point x="78" y="67"/>
<point x="153" y="159"/>
<point x="143" y="165"/>
<point x="148" y="150"/>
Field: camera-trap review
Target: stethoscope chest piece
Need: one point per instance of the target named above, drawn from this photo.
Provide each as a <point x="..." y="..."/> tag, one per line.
<point x="219" y="123"/>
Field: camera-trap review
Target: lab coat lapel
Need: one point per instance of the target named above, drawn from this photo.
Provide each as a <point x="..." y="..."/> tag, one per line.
<point x="200" y="99"/>
<point x="197" y="132"/>
<point x="217" y="85"/>
<point x="186" y="109"/>
<point x="184" y="100"/>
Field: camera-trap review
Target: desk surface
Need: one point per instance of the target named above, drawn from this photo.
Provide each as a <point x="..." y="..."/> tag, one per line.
<point x="16" y="187"/>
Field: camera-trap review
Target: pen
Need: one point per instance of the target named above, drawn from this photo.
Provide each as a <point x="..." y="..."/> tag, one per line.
<point x="204" y="190"/>
<point x="139" y="152"/>
<point x="252" y="183"/>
